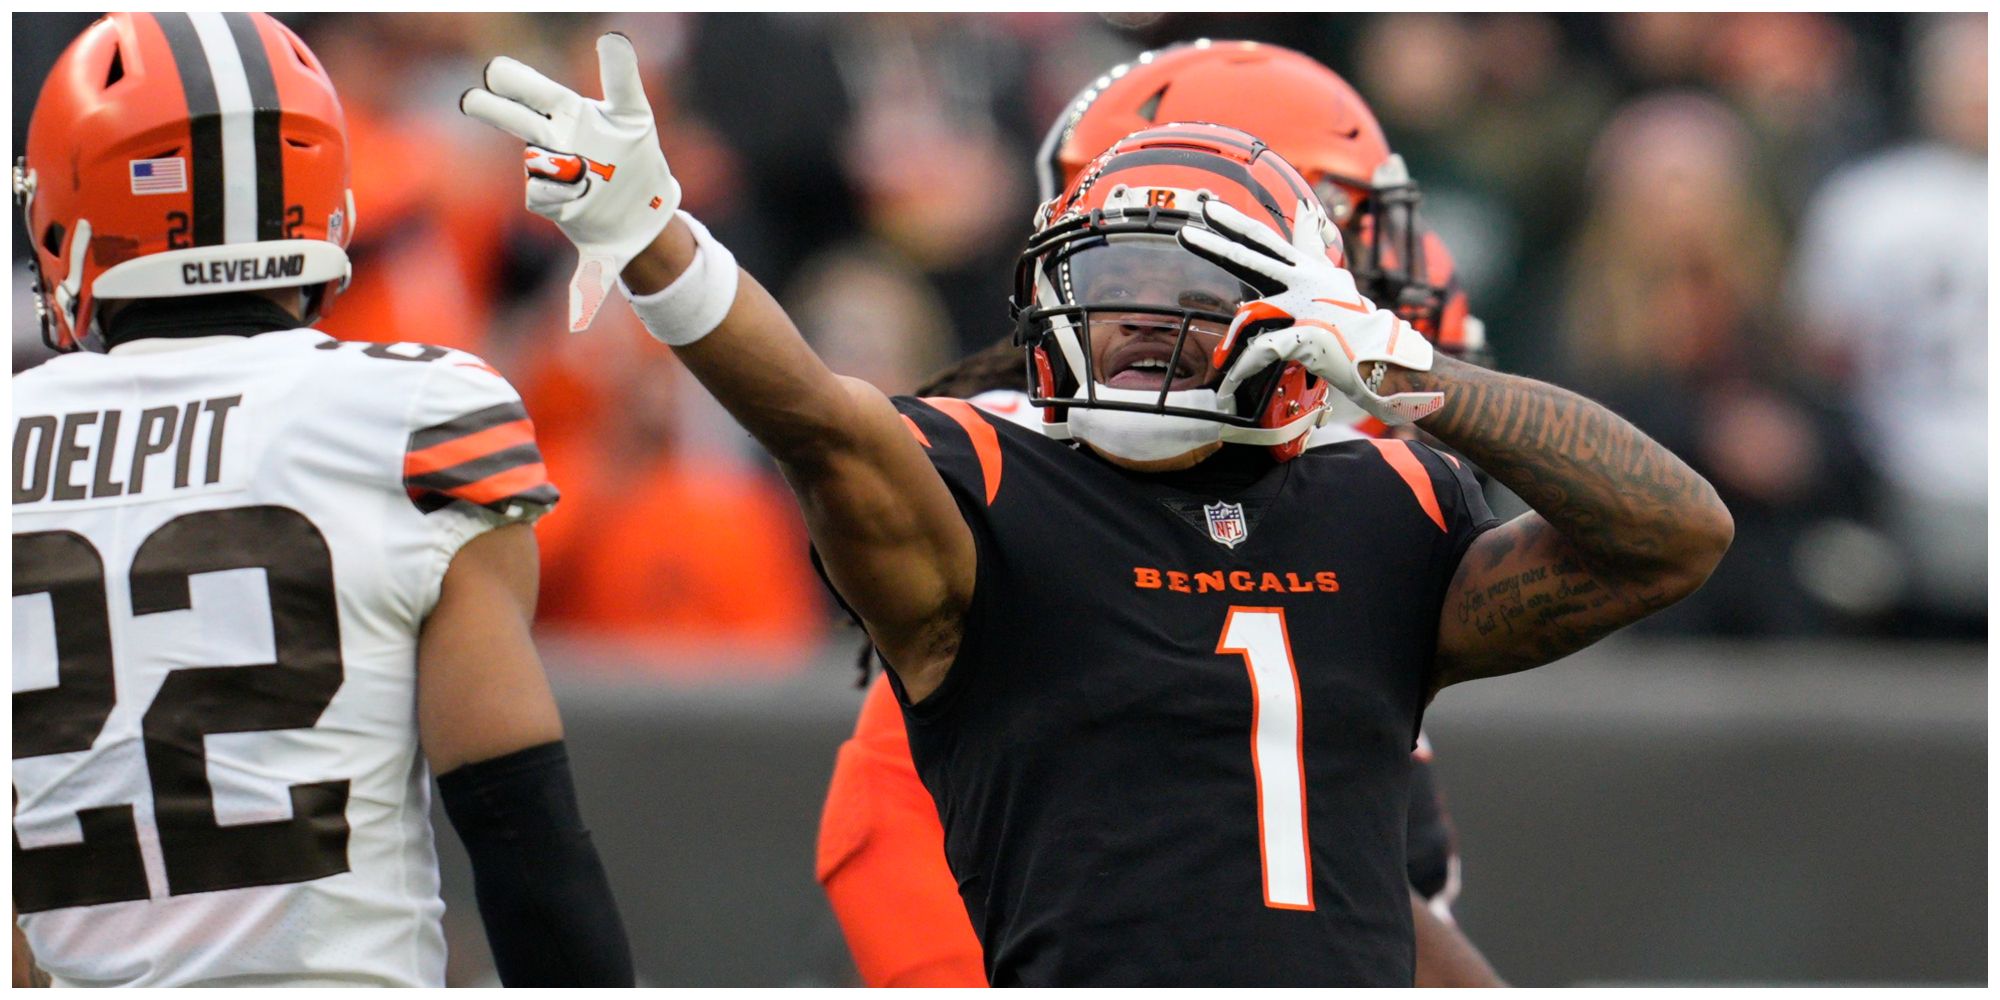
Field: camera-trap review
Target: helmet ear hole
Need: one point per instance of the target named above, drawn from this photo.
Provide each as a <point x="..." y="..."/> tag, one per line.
<point x="52" y="239"/>
<point x="117" y="70"/>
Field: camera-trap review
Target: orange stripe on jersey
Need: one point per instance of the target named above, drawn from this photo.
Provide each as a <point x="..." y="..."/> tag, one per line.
<point x="502" y="485"/>
<point x="469" y="447"/>
<point x="1406" y="463"/>
<point x="985" y="443"/>
<point x="915" y="431"/>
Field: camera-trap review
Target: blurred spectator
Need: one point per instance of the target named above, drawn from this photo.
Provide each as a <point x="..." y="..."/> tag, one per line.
<point x="1670" y="324"/>
<point x="1792" y="76"/>
<point x="868" y="314"/>
<point x="692" y="559"/>
<point x="1890" y="280"/>
<point x="424" y="210"/>
<point x="1492" y="114"/>
<point x="929" y="156"/>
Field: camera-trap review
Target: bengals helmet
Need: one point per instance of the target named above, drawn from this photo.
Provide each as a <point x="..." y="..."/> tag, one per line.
<point x="1104" y="268"/>
<point x="183" y="154"/>
<point x="1305" y="112"/>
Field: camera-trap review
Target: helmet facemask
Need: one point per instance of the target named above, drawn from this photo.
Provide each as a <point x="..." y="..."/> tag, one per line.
<point x="1121" y="328"/>
<point x="1386" y="243"/>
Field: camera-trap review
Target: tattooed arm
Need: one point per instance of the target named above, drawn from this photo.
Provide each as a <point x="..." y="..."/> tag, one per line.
<point x="1620" y="528"/>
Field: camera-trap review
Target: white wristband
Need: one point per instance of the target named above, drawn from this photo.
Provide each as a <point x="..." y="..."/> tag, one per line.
<point x="694" y="304"/>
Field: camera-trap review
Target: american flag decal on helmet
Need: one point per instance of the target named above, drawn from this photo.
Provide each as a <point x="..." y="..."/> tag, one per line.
<point x="487" y="457"/>
<point x="166" y="175"/>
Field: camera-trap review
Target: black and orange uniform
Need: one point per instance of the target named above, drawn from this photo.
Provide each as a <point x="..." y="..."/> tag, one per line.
<point x="880" y="858"/>
<point x="1174" y="747"/>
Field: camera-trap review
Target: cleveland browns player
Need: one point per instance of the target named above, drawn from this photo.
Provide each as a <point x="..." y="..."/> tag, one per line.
<point x="881" y="848"/>
<point x="1161" y="669"/>
<point x="265" y="582"/>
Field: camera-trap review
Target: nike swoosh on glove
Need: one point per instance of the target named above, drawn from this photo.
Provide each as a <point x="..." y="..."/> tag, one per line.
<point x="1310" y="312"/>
<point x="594" y="167"/>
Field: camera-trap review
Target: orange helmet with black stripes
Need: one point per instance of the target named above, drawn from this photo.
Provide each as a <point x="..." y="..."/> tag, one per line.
<point x="1312" y="117"/>
<point x="183" y="154"/>
<point x="1123" y="327"/>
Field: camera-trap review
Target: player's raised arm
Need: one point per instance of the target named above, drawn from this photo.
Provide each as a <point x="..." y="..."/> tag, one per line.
<point x="886" y="527"/>
<point x="1620" y="527"/>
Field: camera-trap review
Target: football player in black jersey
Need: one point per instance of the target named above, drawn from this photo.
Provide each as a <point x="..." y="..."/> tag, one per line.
<point x="880" y="854"/>
<point x="1161" y="672"/>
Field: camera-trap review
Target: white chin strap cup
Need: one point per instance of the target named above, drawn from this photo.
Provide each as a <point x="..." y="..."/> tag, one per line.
<point x="1155" y="437"/>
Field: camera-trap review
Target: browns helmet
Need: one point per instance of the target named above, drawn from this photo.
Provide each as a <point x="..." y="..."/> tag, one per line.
<point x="1104" y="268"/>
<point x="183" y="154"/>
<point x="1303" y="110"/>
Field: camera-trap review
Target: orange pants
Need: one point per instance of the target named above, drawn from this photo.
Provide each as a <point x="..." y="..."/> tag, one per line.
<point x="881" y="861"/>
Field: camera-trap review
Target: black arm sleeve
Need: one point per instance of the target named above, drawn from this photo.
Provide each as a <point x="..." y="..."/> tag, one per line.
<point x="542" y="892"/>
<point x="1431" y="842"/>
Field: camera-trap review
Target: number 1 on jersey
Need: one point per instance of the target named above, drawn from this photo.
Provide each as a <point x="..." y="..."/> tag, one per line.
<point x="1276" y="752"/>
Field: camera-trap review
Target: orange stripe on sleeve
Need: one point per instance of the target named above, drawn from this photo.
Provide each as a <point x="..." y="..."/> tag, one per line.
<point x="915" y="431"/>
<point x="1407" y="465"/>
<point x="985" y="442"/>
<point x="501" y="485"/>
<point x="464" y="449"/>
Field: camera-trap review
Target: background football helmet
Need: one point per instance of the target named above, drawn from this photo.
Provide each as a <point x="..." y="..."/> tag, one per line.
<point x="1317" y="122"/>
<point x="183" y="154"/>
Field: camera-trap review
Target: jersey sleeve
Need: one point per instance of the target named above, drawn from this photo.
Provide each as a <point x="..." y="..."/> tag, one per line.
<point x="472" y="446"/>
<point x="962" y="443"/>
<point x="1445" y="490"/>
<point x="964" y="449"/>
<point x="470" y="461"/>
<point x="1463" y="500"/>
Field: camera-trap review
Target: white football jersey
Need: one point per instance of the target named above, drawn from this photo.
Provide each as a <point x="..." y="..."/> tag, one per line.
<point x="224" y="549"/>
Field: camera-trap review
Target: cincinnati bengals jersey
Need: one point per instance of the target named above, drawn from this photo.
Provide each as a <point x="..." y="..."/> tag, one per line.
<point x="1174" y="747"/>
<point x="224" y="549"/>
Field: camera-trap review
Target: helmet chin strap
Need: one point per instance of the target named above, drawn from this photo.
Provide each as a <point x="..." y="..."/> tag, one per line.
<point x="1145" y="437"/>
<point x="69" y="290"/>
<point x="1156" y="437"/>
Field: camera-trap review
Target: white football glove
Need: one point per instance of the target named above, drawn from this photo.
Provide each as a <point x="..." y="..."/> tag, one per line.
<point x="594" y="167"/>
<point x="1310" y="312"/>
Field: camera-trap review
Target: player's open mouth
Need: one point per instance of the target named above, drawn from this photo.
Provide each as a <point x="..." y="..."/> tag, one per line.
<point x="1145" y="363"/>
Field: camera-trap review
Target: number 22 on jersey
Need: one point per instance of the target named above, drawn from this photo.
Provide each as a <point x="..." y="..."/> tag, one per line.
<point x="1277" y="754"/>
<point x="199" y="854"/>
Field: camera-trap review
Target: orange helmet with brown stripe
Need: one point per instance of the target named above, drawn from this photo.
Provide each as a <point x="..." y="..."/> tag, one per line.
<point x="183" y="154"/>
<point x="1311" y="116"/>
<point x="1124" y="329"/>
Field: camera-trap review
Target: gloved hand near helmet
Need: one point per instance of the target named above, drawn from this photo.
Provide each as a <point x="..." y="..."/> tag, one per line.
<point x="1310" y="313"/>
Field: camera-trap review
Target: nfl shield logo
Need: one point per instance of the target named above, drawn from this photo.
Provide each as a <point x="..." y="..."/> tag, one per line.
<point x="1225" y="523"/>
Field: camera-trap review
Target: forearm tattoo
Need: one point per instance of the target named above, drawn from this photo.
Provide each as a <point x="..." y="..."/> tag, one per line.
<point x="1615" y="494"/>
<point x="1621" y="521"/>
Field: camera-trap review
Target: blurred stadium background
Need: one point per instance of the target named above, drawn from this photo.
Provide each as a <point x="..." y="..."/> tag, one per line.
<point x="1762" y="237"/>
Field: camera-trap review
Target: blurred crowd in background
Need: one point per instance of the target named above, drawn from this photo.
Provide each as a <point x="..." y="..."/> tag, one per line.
<point x="1760" y="237"/>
